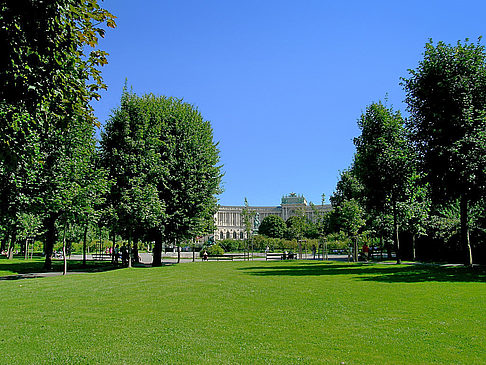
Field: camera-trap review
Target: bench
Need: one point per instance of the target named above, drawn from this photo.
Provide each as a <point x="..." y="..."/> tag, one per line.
<point x="101" y="256"/>
<point x="273" y="256"/>
<point x="280" y="256"/>
<point x="220" y="257"/>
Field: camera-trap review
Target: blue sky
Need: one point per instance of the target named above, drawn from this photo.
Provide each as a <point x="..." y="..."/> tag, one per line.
<point x="282" y="82"/>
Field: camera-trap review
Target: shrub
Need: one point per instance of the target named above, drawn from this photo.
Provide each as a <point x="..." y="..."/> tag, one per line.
<point x="215" y="250"/>
<point x="229" y="245"/>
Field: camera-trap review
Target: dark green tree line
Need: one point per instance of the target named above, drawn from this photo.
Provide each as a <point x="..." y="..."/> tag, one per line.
<point x="446" y="96"/>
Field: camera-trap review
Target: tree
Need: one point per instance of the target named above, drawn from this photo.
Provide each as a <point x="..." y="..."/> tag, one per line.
<point x="416" y="209"/>
<point x="44" y="57"/>
<point x="248" y="217"/>
<point x="446" y="96"/>
<point x="272" y="226"/>
<point x="348" y="187"/>
<point x="383" y="161"/>
<point x="46" y="82"/>
<point x="69" y="186"/>
<point x="351" y="220"/>
<point x="162" y="158"/>
<point x="296" y="225"/>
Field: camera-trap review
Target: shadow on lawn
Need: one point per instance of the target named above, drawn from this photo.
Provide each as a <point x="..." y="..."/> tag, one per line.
<point x="20" y="268"/>
<point x="373" y="272"/>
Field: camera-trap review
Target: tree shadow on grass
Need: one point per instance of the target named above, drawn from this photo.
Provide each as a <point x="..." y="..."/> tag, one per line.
<point x="375" y="272"/>
<point x="20" y="268"/>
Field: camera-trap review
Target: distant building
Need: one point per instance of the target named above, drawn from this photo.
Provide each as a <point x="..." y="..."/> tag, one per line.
<point x="229" y="221"/>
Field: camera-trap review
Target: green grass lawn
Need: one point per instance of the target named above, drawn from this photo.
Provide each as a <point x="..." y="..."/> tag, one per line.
<point x="248" y="313"/>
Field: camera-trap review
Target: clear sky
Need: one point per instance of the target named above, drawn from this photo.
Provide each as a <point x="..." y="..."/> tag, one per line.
<point x="282" y="82"/>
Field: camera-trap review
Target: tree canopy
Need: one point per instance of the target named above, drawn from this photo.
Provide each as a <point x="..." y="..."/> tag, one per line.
<point x="446" y="96"/>
<point x="162" y="158"/>
<point x="273" y="226"/>
<point x="383" y="161"/>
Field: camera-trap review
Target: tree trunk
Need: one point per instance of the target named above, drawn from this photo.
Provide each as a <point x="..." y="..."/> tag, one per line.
<point x="3" y="245"/>
<point x="157" y="251"/>
<point x="414" y="257"/>
<point x="130" y="251"/>
<point x="465" y="232"/>
<point x="11" y="246"/>
<point x="26" y="248"/>
<point x="381" y="247"/>
<point x="113" y="244"/>
<point x="178" y="253"/>
<point x="85" y="234"/>
<point x="64" y="250"/>
<point x="396" y="240"/>
<point x="50" y="226"/>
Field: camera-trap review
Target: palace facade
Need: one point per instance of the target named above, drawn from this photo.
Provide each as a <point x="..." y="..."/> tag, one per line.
<point x="229" y="220"/>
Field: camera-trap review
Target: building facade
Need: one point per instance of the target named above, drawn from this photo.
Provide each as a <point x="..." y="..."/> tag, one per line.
<point x="229" y="220"/>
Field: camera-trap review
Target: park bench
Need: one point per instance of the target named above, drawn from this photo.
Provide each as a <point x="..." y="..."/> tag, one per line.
<point x="220" y="257"/>
<point x="235" y="256"/>
<point x="101" y="256"/>
<point x="273" y="256"/>
<point x="225" y="257"/>
<point x="280" y="256"/>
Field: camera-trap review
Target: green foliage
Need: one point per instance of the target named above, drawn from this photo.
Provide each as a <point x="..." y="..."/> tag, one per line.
<point x="350" y="215"/>
<point x="247" y="217"/>
<point x="162" y="158"/>
<point x="447" y="102"/>
<point x="296" y="225"/>
<point x="45" y="63"/>
<point x="348" y="187"/>
<point x="215" y="250"/>
<point x="229" y="245"/>
<point x="48" y="75"/>
<point x="338" y="241"/>
<point x="383" y="160"/>
<point x="272" y="226"/>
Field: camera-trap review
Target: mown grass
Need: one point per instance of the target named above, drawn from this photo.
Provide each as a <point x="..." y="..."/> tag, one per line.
<point x="248" y="313"/>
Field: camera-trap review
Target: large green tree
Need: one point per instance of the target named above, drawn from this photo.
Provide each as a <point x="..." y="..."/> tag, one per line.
<point x="49" y="71"/>
<point x="273" y="226"/>
<point x="351" y="221"/>
<point x="446" y="96"/>
<point x="383" y="161"/>
<point x="69" y="185"/>
<point x="163" y="161"/>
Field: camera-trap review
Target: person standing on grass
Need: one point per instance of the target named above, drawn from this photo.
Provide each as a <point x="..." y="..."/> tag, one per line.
<point x="205" y="255"/>
<point x="117" y="253"/>
<point x="366" y="251"/>
<point x="124" y="255"/>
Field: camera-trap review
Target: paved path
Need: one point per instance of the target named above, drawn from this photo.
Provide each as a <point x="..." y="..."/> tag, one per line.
<point x="171" y="257"/>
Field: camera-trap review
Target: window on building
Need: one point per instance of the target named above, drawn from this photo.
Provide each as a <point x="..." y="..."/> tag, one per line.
<point x="227" y="235"/>
<point x="221" y="235"/>
<point x="234" y="235"/>
<point x="241" y="235"/>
